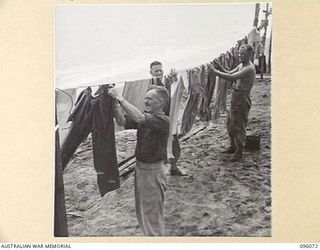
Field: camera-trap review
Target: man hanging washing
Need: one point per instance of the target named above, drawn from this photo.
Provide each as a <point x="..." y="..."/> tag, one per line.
<point x="152" y="137"/>
<point x="244" y="76"/>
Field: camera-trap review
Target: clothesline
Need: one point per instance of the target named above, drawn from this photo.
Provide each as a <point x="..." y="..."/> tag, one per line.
<point x="97" y="83"/>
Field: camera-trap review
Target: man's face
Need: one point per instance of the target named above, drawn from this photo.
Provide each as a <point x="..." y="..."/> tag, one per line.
<point x="157" y="71"/>
<point x="244" y="55"/>
<point x="152" y="102"/>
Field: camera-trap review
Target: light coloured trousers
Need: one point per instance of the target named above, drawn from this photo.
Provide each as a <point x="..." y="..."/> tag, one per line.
<point x="150" y="185"/>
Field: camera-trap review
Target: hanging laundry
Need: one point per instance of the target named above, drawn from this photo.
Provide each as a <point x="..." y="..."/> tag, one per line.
<point x="229" y="66"/>
<point x="169" y="80"/>
<point x="60" y="216"/>
<point x="64" y="99"/>
<point x="254" y="36"/>
<point x="254" y="39"/>
<point x="196" y="90"/>
<point x="242" y="42"/>
<point x="135" y="91"/>
<point x="221" y="93"/>
<point x="173" y="148"/>
<point x="205" y="110"/>
<point x="229" y="60"/>
<point x="94" y="114"/>
<point x="234" y="52"/>
<point x="177" y="89"/>
<point x="185" y="78"/>
<point x="245" y="40"/>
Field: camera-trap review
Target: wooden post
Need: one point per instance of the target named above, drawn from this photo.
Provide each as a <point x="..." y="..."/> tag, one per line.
<point x="60" y="216"/>
<point x="261" y="66"/>
<point x="269" y="59"/>
<point x="265" y="26"/>
<point x="256" y="15"/>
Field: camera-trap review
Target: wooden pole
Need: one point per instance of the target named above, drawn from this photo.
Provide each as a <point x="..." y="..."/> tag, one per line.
<point x="256" y="15"/>
<point x="269" y="59"/>
<point x="267" y="13"/>
<point x="60" y="216"/>
<point x="266" y="25"/>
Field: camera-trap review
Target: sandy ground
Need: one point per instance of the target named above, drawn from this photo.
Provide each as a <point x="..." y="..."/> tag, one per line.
<point x="216" y="198"/>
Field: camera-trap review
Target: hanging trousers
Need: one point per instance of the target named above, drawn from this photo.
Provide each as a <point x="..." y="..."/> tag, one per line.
<point x="95" y="115"/>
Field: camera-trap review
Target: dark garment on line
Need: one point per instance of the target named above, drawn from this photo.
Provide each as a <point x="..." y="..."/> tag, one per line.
<point x="205" y="110"/>
<point x="152" y="137"/>
<point x="242" y="42"/>
<point x="95" y="115"/>
<point x="227" y="65"/>
<point x="60" y="217"/>
<point x="203" y="97"/>
<point x="190" y="113"/>
<point x="234" y="52"/>
<point x="196" y="91"/>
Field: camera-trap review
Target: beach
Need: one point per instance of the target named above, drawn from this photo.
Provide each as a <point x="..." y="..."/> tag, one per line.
<point x="215" y="198"/>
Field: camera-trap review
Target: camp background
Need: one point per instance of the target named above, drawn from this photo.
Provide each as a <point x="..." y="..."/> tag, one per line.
<point x="26" y="188"/>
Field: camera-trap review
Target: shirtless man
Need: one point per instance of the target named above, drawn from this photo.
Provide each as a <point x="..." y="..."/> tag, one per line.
<point x="244" y="76"/>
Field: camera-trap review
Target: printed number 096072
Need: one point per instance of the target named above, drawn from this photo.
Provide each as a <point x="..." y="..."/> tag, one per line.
<point x="308" y="245"/>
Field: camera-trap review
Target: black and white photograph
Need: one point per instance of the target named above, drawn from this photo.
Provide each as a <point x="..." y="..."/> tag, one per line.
<point x="163" y="120"/>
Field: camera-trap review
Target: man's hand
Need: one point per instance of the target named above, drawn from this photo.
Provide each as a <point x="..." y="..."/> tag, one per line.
<point x="173" y="72"/>
<point x="114" y="94"/>
<point x="215" y="70"/>
<point x="173" y="76"/>
<point x="217" y="64"/>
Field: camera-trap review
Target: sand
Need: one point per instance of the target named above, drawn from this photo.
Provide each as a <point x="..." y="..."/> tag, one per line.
<point x="216" y="198"/>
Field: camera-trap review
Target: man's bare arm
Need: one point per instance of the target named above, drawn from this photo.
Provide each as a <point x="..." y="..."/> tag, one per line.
<point x="119" y="115"/>
<point x="232" y="77"/>
<point x="218" y="65"/>
<point x="134" y="113"/>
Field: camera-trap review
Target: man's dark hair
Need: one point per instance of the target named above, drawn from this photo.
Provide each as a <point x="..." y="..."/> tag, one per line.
<point x="162" y="93"/>
<point x="155" y="63"/>
<point x="248" y="48"/>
